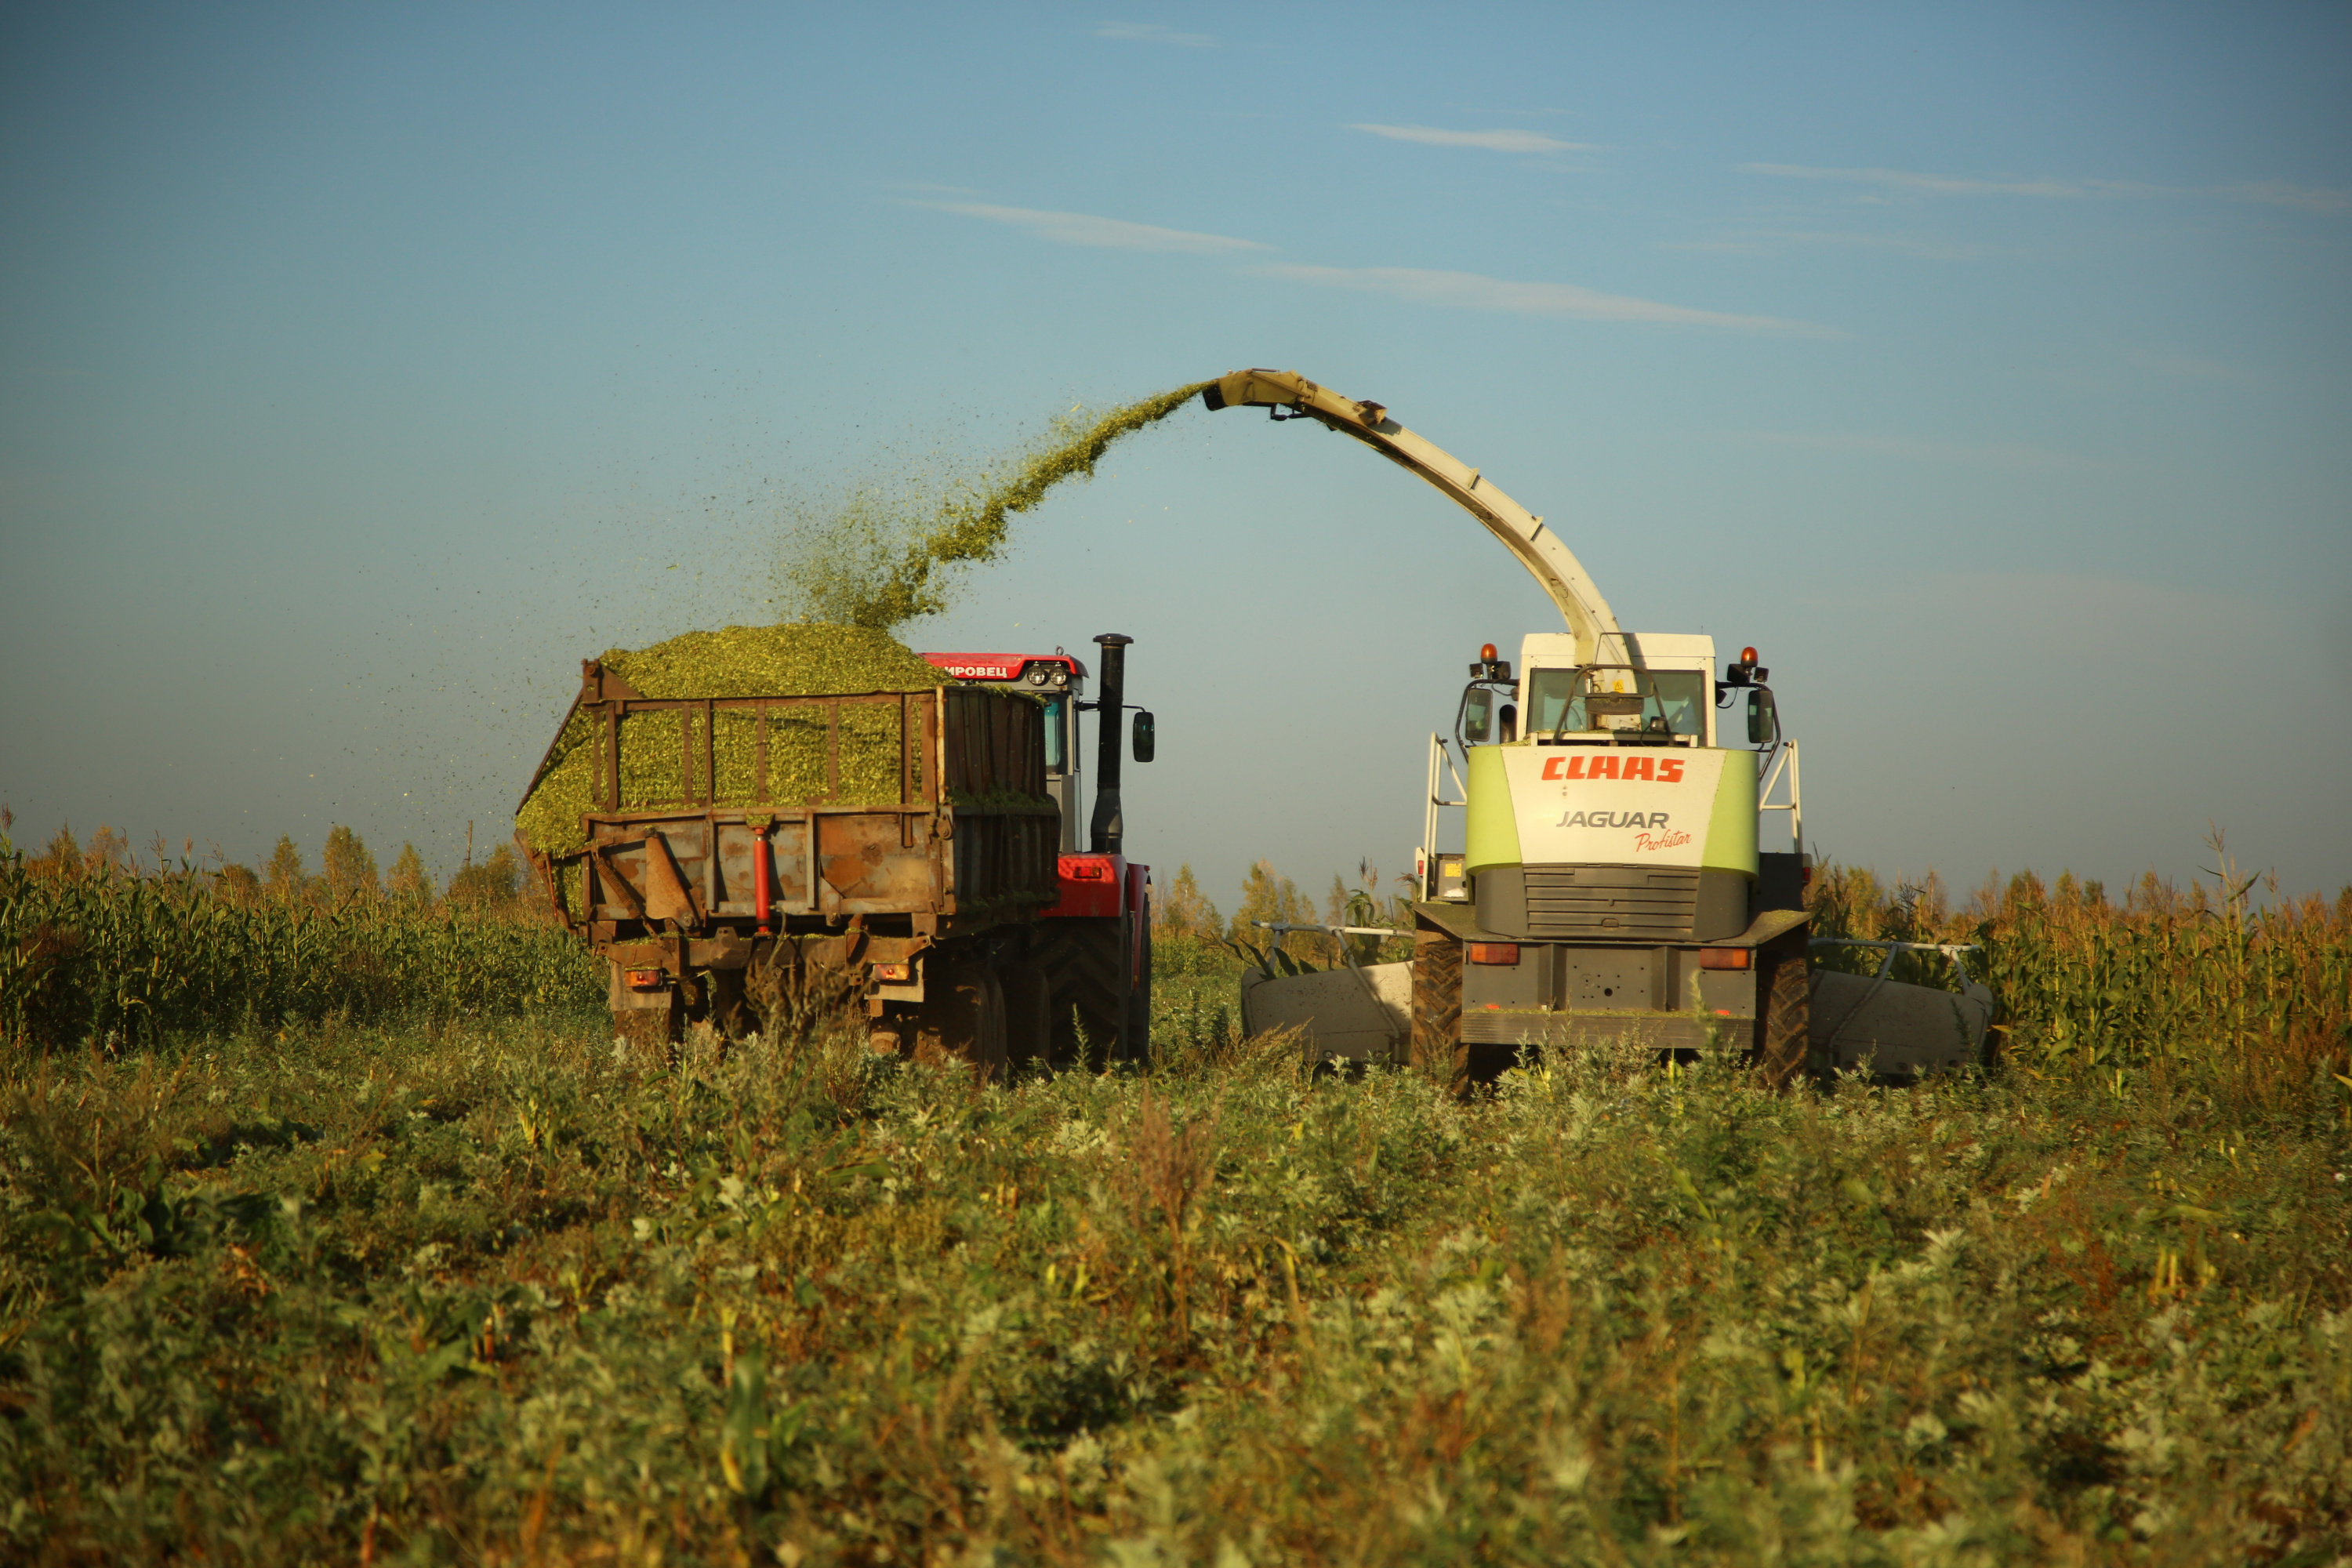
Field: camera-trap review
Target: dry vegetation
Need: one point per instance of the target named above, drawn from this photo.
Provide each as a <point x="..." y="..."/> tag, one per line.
<point x="452" y="1290"/>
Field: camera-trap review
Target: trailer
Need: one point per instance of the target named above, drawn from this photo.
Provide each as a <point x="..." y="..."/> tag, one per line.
<point x="763" y="861"/>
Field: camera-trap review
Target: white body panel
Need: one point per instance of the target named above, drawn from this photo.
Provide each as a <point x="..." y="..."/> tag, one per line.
<point x="1577" y="805"/>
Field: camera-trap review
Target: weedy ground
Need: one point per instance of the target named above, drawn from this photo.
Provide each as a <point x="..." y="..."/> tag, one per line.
<point x="486" y="1292"/>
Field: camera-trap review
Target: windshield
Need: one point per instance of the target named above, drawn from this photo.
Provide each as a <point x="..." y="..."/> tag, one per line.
<point x="1056" y="710"/>
<point x="1681" y="696"/>
<point x="1555" y="698"/>
<point x="1551" y="695"/>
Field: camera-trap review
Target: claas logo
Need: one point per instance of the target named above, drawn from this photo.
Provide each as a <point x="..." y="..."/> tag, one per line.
<point x="1613" y="765"/>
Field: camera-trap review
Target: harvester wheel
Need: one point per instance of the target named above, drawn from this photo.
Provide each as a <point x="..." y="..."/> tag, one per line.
<point x="1437" y="1048"/>
<point x="1784" y="994"/>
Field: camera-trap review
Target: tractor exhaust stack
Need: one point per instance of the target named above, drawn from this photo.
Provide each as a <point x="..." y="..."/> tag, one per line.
<point x="1106" y="829"/>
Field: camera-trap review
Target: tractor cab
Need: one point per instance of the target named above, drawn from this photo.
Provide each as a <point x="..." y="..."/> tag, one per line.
<point x="1056" y="679"/>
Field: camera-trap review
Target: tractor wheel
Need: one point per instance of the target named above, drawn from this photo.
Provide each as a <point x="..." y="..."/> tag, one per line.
<point x="1784" y="1010"/>
<point x="730" y="1008"/>
<point x="964" y="1017"/>
<point x="1028" y="1016"/>
<point x="1135" y="1043"/>
<point x="650" y="1024"/>
<point x="1085" y="960"/>
<point x="1437" y="1010"/>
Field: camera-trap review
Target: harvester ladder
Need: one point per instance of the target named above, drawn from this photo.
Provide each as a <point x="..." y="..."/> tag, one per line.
<point x="1438" y="757"/>
<point x="1786" y="764"/>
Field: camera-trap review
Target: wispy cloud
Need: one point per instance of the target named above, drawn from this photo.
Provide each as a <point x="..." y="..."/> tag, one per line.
<point x="1943" y="184"/>
<point x="1505" y="141"/>
<point x="1153" y="33"/>
<point x="1104" y="233"/>
<point x="2268" y="192"/>
<point x="1468" y="290"/>
<point x="2279" y="194"/>
<point x="1973" y="454"/>
<point x="1765" y="241"/>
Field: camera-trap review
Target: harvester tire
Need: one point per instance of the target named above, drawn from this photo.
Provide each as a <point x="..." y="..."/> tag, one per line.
<point x="1085" y="961"/>
<point x="1438" y="1049"/>
<point x="1784" y="1010"/>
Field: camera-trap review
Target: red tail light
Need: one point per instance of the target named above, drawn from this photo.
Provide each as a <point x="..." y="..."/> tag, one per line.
<point x="1725" y="957"/>
<point x="1494" y="952"/>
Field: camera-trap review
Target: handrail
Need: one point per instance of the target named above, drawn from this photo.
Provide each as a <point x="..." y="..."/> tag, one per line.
<point x="1794" y="806"/>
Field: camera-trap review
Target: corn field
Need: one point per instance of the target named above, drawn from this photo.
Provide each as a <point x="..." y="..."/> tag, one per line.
<point x="2154" y="981"/>
<point x="133" y="960"/>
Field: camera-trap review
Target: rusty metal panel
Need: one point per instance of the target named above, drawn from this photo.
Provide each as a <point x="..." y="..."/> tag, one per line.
<point x="788" y="869"/>
<point x="669" y="879"/>
<point x="863" y="869"/>
<point x="620" y="881"/>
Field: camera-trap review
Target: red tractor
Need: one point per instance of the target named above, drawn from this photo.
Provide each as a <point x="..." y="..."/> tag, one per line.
<point x="1093" y="946"/>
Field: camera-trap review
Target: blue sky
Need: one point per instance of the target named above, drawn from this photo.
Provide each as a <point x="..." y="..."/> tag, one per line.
<point x="362" y="369"/>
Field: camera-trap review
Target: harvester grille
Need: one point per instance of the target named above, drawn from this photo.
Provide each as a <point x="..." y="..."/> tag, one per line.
<point x="1612" y="901"/>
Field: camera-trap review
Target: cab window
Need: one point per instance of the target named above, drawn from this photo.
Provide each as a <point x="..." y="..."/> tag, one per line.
<point x="1057" y="715"/>
<point x="1680" y="697"/>
<point x="1556" y="701"/>
<point x="1552" y="697"/>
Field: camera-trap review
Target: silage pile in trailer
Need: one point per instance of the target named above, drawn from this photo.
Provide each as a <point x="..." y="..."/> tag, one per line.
<point x="797" y="660"/>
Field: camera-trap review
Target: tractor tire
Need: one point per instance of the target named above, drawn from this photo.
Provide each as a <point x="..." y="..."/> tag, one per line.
<point x="1783" y="1010"/>
<point x="1135" y="1042"/>
<point x="649" y="1024"/>
<point x="1028" y="1016"/>
<point x="1438" y="1049"/>
<point x="964" y="1017"/>
<point x="730" y="1008"/>
<point x="1085" y="961"/>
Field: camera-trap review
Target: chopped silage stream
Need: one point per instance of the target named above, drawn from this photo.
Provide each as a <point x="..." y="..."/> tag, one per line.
<point x="879" y="564"/>
<point x="858" y="574"/>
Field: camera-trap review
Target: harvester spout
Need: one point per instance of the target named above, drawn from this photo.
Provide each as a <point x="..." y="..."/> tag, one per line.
<point x="1547" y="558"/>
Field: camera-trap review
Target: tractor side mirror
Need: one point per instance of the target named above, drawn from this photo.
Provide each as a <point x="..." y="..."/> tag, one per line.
<point x="1145" y="741"/>
<point x="1763" y="719"/>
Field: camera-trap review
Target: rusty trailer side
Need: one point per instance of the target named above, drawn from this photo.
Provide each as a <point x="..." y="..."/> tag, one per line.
<point x="772" y="848"/>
